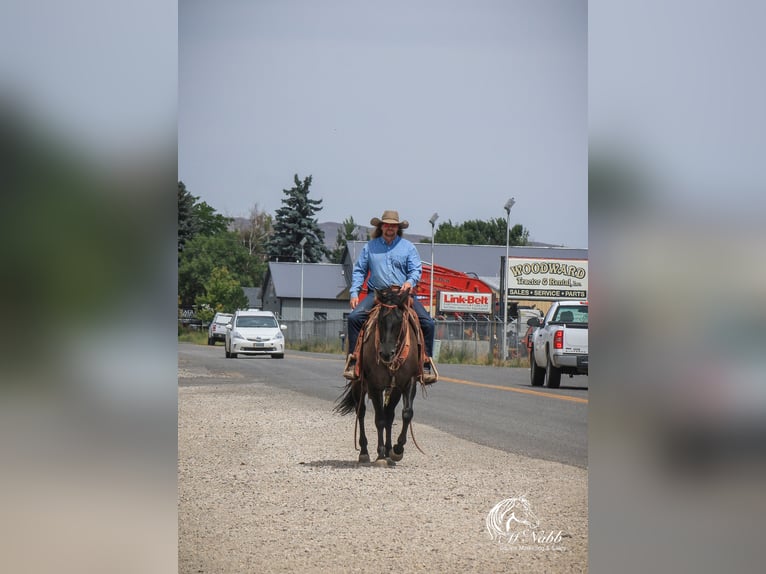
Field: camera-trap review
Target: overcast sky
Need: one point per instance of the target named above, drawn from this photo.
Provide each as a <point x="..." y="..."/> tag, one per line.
<point x="429" y="106"/>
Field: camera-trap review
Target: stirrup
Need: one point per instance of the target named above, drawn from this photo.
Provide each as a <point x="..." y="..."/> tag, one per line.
<point x="349" y="371"/>
<point x="432" y="375"/>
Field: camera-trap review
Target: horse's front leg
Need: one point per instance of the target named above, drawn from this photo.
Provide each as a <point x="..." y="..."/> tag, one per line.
<point x="390" y="414"/>
<point x="408" y="399"/>
<point x="361" y="409"/>
<point x="380" y="422"/>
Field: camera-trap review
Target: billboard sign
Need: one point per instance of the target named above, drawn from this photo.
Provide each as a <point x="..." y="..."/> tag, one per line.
<point x="451" y="301"/>
<point x="547" y="279"/>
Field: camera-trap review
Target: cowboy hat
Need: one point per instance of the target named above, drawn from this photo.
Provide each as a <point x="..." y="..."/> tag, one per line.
<point x="390" y="216"/>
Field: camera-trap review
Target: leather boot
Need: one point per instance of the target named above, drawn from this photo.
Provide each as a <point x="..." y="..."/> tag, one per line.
<point x="350" y="369"/>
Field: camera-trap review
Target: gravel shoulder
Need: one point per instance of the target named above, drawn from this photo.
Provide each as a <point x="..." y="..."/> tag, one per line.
<point x="268" y="482"/>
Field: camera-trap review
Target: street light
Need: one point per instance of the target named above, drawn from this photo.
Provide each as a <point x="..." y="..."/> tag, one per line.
<point x="432" y="221"/>
<point x="508" y="205"/>
<point x="303" y="242"/>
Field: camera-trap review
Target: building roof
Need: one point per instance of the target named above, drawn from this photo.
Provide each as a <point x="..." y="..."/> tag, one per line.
<point x="253" y="295"/>
<point x="320" y="280"/>
<point x="482" y="260"/>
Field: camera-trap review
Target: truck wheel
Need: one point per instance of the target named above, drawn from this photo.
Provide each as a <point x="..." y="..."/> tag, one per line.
<point x="536" y="374"/>
<point x="552" y="375"/>
<point x="210" y="341"/>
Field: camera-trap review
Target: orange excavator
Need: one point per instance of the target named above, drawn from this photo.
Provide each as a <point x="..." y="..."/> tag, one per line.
<point x="444" y="279"/>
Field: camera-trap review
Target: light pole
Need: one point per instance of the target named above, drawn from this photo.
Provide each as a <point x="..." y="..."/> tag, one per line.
<point x="508" y="205"/>
<point x="432" y="221"/>
<point x="303" y="242"/>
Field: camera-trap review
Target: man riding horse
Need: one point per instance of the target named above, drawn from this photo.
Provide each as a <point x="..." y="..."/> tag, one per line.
<point x="391" y="260"/>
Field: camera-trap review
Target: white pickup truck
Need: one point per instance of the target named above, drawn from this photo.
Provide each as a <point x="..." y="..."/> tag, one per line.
<point x="559" y="344"/>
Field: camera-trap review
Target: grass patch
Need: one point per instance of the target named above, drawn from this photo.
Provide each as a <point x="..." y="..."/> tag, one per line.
<point x="459" y="355"/>
<point x="316" y="346"/>
<point x="192" y="336"/>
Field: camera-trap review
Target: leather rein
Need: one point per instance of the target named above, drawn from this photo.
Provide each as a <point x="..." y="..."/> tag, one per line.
<point x="403" y="341"/>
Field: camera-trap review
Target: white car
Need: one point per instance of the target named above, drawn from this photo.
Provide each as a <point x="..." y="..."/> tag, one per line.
<point x="217" y="329"/>
<point x="254" y="333"/>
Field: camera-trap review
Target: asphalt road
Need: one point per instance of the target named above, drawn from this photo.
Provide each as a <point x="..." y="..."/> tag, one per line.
<point x="491" y="406"/>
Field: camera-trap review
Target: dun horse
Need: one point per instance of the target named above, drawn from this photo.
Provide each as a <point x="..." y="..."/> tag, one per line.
<point x="390" y="364"/>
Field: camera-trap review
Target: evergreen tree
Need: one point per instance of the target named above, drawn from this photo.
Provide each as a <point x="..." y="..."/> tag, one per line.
<point x="348" y="231"/>
<point x="294" y="222"/>
<point x="185" y="205"/>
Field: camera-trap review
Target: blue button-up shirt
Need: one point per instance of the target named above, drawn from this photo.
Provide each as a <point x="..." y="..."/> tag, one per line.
<point x="388" y="265"/>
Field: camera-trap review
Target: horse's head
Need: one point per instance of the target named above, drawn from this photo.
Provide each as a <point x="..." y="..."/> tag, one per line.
<point x="392" y="302"/>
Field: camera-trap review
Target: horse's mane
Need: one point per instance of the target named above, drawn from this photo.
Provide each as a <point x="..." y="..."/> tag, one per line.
<point x="392" y="296"/>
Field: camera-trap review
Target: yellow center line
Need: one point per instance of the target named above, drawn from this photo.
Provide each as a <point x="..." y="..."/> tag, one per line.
<point x="523" y="391"/>
<point x="486" y="386"/>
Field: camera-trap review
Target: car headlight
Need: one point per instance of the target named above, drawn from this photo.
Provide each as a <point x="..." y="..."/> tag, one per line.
<point x="279" y="336"/>
<point x="236" y="335"/>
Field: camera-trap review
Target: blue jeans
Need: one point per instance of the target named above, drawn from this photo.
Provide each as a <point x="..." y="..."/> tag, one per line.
<point x="358" y="316"/>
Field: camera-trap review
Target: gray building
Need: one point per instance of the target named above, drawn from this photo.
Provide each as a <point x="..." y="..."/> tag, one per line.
<point x="325" y="293"/>
<point x="253" y="295"/>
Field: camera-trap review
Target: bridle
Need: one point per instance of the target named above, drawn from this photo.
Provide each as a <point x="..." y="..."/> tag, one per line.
<point x="403" y="340"/>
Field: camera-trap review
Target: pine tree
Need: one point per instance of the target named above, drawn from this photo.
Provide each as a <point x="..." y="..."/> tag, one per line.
<point x="348" y="231"/>
<point x="294" y="222"/>
<point x="185" y="223"/>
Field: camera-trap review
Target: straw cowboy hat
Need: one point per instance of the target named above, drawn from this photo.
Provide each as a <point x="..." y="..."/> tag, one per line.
<point x="390" y="216"/>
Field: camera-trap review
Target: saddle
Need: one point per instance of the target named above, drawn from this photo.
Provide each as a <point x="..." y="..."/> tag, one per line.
<point x="369" y="328"/>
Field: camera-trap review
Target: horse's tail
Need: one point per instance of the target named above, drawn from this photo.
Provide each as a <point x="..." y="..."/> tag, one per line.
<point x="346" y="403"/>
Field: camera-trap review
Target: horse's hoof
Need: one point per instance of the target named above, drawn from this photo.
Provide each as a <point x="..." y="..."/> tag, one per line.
<point x="381" y="462"/>
<point x="396" y="457"/>
<point x="364" y="458"/>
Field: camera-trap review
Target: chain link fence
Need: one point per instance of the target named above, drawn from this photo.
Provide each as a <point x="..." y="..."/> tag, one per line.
<point x="474" y="338"/>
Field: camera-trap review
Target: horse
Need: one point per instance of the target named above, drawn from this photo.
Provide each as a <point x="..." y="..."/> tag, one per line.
<point x="390" y="363"/>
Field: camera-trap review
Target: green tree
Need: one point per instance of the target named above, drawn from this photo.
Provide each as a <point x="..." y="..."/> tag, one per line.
<point x="477" y="232"/>
<point x="185" y="206"/>
<point x="197" y="217"/>
<point x="223" y="293"/>
<point x="519" y="235"/>
<point x="294" y="222"/>
<point x="448" y="232"/>
<point x="207" y="221"/>
<point x="204" y="253"/>
<point x="348" y="231"/>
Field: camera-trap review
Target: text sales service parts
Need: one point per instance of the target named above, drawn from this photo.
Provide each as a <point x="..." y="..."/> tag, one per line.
<point x="548" y="279"/>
